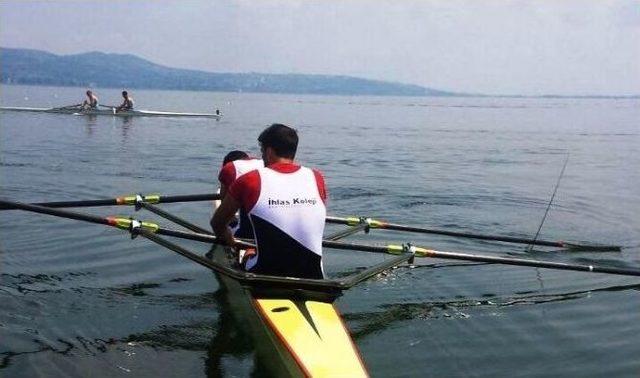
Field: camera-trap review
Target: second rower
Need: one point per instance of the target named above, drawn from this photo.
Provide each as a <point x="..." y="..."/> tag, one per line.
<point x="127" y="103"/>
<point x="236" y="164"/>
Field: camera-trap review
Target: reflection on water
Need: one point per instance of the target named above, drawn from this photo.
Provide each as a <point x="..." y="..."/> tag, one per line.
<point x="220" y="337"/>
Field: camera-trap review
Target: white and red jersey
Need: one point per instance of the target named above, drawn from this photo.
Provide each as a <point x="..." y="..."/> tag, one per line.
<point x="229" y="173"/>
<point x="234" y="169"/>
<point x="286" y="206"/>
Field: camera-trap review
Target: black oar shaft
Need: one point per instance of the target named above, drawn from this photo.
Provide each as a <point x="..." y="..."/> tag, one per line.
<point x="423" y="230"/>
<point x="190" y="198"/>
<point x="55" y="212"/>
<point x="534" y="263"/>
<point x="58" y="204"/>
<point x="424" y="252"/>
<point x="206" y="237"/>
<point x="124" y="200"/>
<point x="508" y="239"/>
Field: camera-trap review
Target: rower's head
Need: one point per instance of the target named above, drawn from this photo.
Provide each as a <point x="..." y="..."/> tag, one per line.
<point x="89" y="93"/>
<point x="278" y="142"/>
<point x="233" y="156"/>
<point x="125" y="94"/>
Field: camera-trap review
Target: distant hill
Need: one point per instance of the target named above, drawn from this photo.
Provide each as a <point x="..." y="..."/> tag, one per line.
<point x="96" y="69"/>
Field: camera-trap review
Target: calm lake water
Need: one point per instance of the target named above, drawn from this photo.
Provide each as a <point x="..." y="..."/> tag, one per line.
<point x="80" y="299"/>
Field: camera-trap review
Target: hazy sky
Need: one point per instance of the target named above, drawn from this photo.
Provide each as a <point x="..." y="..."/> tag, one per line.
<point x="498" y="47"/>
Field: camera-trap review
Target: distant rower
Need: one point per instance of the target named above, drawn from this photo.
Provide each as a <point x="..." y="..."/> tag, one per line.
<point x="91" y="102"/>
<point x="127" y="103"/>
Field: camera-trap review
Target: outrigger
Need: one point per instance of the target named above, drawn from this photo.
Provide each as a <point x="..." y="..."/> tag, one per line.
<point x="294" y="321"/>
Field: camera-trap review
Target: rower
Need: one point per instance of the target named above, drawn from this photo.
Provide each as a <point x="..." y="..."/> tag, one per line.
<point x="127" y="103"/>
<point x="91" y="102"/>
<point x="235" y="164"/>
<point x="285" y="203"/>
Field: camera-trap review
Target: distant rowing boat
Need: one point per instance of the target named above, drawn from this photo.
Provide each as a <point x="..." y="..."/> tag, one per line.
<point x="111" y="112"/>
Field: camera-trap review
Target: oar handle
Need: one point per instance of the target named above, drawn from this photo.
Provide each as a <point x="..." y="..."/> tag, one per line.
<point x="67" y="107"/>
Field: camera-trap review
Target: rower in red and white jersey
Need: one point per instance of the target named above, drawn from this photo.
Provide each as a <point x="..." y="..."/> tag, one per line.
<point x="286" y="204"/>
<point x="235" y="164"/>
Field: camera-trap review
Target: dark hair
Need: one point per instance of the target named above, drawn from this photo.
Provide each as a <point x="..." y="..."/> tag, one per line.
<point x="234" y="155"/>
<point x="124" y="93"/>
<point x="283" y="139"/>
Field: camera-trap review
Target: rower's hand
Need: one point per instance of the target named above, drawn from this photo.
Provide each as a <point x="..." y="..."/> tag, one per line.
<point x="223" y="215"/>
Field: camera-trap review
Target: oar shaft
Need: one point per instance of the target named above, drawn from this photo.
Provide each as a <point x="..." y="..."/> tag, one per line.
<point x="191" y="198"/>
<point x="425" y="252"/>
<point x="124" y="200"/>
<point x="59" y="204"/>
<point x="54" y="212"/>
<point x="508" y="239"/>
<point x="531" y="263"/>
<point x="122" y="223"/>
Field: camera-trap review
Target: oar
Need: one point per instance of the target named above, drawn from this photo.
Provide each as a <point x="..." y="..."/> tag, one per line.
<point x="398" y="227"/>
<point x="130" y="224"/>
<point x="123" y="200"/>
<point x="67" y="107"/>
<point x="351" y="221"/>
<point x="118" y="222"/>
<point x="425" y="252"/>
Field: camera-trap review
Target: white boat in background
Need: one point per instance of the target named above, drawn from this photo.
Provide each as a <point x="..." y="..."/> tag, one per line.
<point x="111" y="112"/>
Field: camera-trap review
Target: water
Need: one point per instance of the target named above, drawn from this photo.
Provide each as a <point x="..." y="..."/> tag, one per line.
<point x="81" y="299"/>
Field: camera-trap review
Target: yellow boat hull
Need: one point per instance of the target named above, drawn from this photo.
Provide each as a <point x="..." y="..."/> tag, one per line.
<point x="294" y="334"/>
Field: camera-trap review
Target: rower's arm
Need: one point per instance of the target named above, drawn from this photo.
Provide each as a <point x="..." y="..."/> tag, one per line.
<point x="223" y="190"/>
<point x="216" y="203"/>
<point x="222" y="217"/>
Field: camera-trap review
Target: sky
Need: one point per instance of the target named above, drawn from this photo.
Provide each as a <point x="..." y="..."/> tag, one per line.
<point x="566" y="47"/>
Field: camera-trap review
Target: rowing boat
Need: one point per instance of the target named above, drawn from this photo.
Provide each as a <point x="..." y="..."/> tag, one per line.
<point x="296" y="332"/>
<point x="299" y="332"/>
<point x="111" y="112"/>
